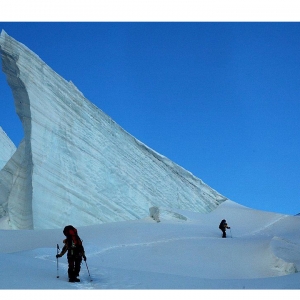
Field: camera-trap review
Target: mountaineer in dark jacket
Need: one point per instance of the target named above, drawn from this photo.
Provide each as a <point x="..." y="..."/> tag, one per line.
<point x="73" y="245"/>
<point x="223" y="226"/>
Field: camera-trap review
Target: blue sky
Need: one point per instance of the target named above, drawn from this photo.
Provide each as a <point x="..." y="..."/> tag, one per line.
<point x="222" y="100"/>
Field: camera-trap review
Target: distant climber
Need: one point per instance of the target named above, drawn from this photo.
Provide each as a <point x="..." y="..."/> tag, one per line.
<point x="73" y="245"/>
<point x="223" y="226"/>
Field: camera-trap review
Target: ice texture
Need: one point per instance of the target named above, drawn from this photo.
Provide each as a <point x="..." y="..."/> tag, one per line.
<point x="76" y="165"/>
<point x="7" y="148"/>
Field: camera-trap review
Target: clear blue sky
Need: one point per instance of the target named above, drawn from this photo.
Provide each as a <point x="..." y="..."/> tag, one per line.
<point x="222" y="100"/>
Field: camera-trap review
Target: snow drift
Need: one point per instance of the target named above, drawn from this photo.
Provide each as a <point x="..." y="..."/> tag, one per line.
<point x="182" y="251"/>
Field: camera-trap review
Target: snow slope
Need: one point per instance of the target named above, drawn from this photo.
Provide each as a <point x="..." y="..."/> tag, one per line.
<point x="183" y="251"/>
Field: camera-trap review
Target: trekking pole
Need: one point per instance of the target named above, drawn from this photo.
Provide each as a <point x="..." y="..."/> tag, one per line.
<point x="230" y="233"/>
<point x="57" y="248"/>
<point x="88" y="270"/>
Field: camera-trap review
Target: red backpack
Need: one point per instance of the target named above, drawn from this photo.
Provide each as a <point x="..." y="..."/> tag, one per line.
<point x="73" y="239"/>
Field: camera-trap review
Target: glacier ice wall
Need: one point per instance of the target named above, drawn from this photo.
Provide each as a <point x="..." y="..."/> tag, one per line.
<point x="7" y="148"/>
<point x="75" y="164"/>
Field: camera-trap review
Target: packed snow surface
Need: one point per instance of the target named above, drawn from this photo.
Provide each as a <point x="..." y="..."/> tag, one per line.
<point x="182" y="251"/>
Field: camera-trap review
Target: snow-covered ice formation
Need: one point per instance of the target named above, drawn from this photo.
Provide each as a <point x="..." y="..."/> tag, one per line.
<point x="75" y="164"/>
<point x="7" y="148"/>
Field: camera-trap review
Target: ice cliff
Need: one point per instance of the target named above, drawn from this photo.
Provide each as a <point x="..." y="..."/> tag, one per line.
<point x="75" y="164"/>
<point x="7" y="148"/>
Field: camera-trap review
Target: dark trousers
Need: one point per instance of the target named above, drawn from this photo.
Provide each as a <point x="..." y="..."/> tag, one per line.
<point x="74" y="266"/>
<point x="224" y="233"/>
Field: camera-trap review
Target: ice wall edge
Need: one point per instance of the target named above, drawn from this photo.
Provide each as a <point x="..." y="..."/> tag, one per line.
<point x="75" y="164"/>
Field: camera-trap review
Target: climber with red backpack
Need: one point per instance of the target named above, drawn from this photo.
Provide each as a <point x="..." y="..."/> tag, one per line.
<point x="72" y="244"/>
